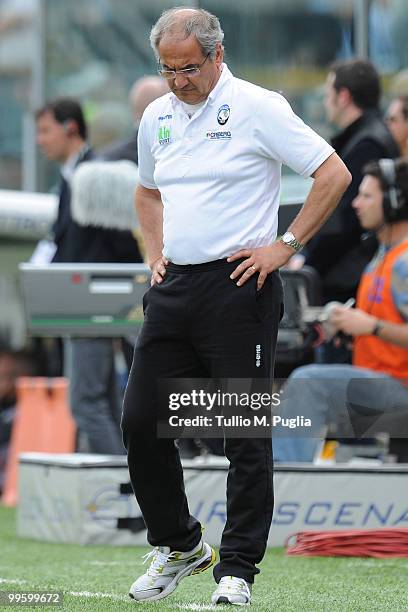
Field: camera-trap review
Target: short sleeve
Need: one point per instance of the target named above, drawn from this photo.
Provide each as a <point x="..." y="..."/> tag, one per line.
<point x="399" y="285"/>
<point x="281" y="135"/>
<point x="146" y="159"/>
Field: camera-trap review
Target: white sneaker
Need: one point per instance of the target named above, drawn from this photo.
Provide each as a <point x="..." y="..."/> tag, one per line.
<point x="232" y="590"/>
<point x="168" y="568"/>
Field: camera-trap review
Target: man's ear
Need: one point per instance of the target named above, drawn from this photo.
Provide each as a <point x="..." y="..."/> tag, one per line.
<point x="70" y="127"/>
<point x="344" y="96"/>
<point x="219" y="54"/>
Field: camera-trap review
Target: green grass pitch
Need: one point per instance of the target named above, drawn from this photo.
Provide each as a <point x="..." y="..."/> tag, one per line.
<point x="96" y="578"/>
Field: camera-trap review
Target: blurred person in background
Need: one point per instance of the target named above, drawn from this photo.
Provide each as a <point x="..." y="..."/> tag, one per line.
<point x="12" y="365"/>
<point x="338" y="252"/>
<point x="8" y="375"/>
<point x="62" y="135"/>
<point x="90" y="365"/>
<point x="143" y="91"/>
<point x="397" y="121"/>
<point x="377" y="381"/>
<point x="352" y="101"/>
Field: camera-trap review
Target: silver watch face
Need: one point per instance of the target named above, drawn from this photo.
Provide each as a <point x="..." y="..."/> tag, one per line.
<point x="288" y="237"/>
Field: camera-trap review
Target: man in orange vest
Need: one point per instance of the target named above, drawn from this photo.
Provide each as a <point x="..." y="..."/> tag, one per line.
<point x="377" y="382"/>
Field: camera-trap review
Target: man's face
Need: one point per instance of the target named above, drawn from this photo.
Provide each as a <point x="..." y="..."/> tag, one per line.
<point x="177" y="53"/>
<point x="52" y="138"/>
<point x="331" y="100"/>
<point x="368" y="203"/>
<point x="397" y="123"/>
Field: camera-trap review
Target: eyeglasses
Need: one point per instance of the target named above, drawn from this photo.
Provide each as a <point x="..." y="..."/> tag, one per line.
<point x="192" y="71"/>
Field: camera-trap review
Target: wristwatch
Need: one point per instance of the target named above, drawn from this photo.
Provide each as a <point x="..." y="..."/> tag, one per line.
<point x="289" y="239"/>
<point x="377" y="328"/>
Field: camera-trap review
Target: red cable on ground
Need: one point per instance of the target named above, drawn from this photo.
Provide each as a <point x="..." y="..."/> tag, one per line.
<point x="378" y="543"/>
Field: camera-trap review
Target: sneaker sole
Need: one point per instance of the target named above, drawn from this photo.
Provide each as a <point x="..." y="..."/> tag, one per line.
<point x="200" y="565"/>
<point x="224" y="600"/>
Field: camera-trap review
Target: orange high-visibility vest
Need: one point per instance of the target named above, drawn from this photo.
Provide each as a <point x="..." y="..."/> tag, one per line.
<point x="375" y="297"/>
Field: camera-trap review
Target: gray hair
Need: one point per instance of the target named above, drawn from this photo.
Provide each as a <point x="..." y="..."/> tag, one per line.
<point x="205" y="27"/>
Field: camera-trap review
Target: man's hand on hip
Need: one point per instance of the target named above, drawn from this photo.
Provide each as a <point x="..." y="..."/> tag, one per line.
<point x="158" y="268"/>
<point x="261" y="261"/>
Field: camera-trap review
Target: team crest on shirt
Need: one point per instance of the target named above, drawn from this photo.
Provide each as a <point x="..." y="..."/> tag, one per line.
<point x="223" y="114"/>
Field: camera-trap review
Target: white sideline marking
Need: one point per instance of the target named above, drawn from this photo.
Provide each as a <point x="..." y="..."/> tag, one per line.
<point x="98" y="595"/>
<point x="12" y="581"/>
<point x="116" y="597"/>
<point x="194" y="606"/>
<point x="107" y="563"/>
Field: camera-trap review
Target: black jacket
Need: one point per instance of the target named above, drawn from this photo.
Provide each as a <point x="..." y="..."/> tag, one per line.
<point x="89" y="244"/>
<point x="124" y="149"/>
<point x="340" y="255"/>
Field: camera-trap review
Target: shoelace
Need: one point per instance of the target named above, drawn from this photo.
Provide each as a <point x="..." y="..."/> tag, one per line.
<point x="159" y="560"/>
<point x="233" y="582"/>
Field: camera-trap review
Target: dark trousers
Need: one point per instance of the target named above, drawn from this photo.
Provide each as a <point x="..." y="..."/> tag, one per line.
<point x="94" y="396"/>
<point x="199" y="324"/>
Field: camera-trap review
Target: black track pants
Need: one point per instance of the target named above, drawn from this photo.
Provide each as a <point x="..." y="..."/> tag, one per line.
<point x="199" y="324"/>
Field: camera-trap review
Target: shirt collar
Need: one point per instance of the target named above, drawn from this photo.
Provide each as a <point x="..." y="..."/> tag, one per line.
<point x="67" y="169"/>
<point x="226" y="77"/>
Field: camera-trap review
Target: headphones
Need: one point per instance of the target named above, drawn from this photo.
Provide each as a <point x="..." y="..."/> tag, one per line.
<point x="394" y="204"/>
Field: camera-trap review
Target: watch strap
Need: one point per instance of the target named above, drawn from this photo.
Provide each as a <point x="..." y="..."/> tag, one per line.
<point x="377" y="328"/>
<point x="294" y="244"/>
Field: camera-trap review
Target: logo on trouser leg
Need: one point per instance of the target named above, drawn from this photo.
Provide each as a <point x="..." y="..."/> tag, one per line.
<point x="258" y="355"/>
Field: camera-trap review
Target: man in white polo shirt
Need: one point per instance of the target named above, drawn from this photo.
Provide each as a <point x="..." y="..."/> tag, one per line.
<point x="210" y="156"/>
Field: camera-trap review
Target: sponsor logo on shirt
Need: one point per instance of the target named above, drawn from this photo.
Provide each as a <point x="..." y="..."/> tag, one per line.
<point x="164" y="135"/>
<point x="218" y="135"/>
<point x="223" y="114"/>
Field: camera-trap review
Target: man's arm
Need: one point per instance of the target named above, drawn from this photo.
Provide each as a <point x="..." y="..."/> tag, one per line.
<point x="149" y="208"/>
<point x="394" y="333"/>
<point x="330" y="181"/>
<point x="356" y="322"/>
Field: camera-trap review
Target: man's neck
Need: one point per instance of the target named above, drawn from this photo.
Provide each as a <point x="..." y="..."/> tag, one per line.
<point x="394" y="233"/>
<point x="349" y="116"/>
<point x="74" y="149"/>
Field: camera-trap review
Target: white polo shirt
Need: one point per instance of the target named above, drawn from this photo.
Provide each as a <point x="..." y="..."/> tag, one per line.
<point x="218" y="173"/>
